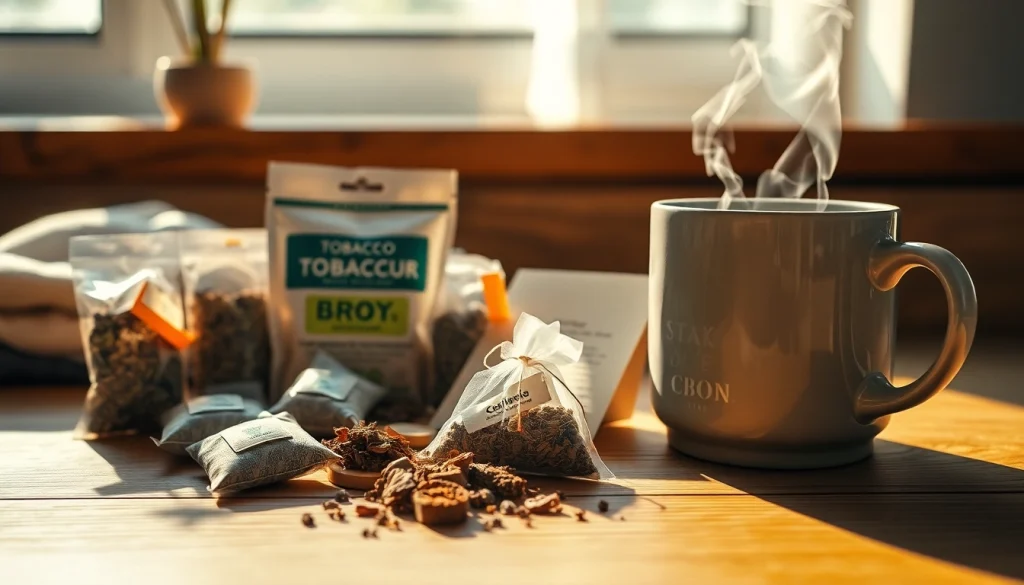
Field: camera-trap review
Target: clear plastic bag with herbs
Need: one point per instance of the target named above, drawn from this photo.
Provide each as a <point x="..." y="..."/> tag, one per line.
<point x="128" y="293"/>
<point x="461" y="318"/>
<point x="519" y="412"/>
<point x="225" y="278"/>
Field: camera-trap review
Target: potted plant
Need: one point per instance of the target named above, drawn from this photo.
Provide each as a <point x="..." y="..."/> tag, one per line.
<point x="197" y="88"/>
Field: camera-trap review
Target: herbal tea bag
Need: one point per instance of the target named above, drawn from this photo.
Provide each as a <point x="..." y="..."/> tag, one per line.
<point x="204" y="416"/>
<point x="127" y="288"/>
<point x="519" y="412"/>
<point x="327" y="395"/>
<point x="225" y="279"/>
<point x="267" y="450"/>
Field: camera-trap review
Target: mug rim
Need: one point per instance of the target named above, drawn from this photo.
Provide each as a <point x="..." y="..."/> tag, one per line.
<point x="802" y="206"/>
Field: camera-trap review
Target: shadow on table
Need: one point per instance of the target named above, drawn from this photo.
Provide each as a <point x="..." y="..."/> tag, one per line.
<point x="142" y="468"/>
<point x="973" y="529"/>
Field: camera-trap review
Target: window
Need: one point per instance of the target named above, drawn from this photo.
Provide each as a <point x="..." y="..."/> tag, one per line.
<point x="678" y="16"/>
<point x="50" y="16"/>
<point x="452" y="17"/>
<point x="584" y="60"/>
<point x="380" y="17"/>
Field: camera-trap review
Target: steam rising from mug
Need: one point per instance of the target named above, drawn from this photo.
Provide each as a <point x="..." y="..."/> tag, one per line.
<point x="800" y="74"/>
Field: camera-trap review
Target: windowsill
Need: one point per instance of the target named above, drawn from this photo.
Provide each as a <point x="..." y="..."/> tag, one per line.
<point x="122" y="149"/>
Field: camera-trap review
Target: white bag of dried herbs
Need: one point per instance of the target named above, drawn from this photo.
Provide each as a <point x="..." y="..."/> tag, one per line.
<point x="356" y="261"/>
<point x="225" y="277"/>
<point x="128" y="293"/>
<point x="461" y="318"/>
<point x="519" y="412"/>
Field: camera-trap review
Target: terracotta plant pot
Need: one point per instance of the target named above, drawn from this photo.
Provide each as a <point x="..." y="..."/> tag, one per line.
<point x="192" y="94"/>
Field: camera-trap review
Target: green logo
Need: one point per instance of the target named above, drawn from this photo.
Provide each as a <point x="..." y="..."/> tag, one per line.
<point x="326" y="315"/>
<point x="339" y="262"/>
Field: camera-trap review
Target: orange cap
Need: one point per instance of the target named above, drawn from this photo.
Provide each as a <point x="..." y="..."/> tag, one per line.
<point x="495" y="296"/>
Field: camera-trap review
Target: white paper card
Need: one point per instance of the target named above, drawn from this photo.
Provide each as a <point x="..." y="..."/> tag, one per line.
<point x="607" y="311"/>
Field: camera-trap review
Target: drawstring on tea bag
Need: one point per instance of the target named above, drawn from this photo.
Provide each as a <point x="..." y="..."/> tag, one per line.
<point x="555" y="349"/>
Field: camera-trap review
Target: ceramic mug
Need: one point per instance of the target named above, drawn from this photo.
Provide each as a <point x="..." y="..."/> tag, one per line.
<point x="772" y="327"/>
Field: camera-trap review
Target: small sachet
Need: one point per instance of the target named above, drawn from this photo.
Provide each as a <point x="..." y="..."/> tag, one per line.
<point x="202" y="417"/>
<point x="258" y="452"/>
<point x="327" y="395"/>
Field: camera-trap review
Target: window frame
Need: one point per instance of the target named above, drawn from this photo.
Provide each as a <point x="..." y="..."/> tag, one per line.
<point x="476" y="74"/>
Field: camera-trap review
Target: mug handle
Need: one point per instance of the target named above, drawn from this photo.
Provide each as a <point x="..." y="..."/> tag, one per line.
<point x="889" y="261"/>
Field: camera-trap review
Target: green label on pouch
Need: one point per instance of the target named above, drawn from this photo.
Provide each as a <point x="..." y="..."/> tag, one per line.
<point x="383" y="263"/>
<point x="326" y="315"/>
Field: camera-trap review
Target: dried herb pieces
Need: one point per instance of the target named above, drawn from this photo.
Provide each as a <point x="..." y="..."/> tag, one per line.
<point x="507" y="507"/>
<point x="547" y="504"/>
<point x="341" y="497"/>
<point x="307" y="521"/>
<point x="481" y="498"/>
<point x="232" y="347"/>
<point x="394" y="488"/>
<point x="368" y="510"/>
<point x="366" y="447"/>
<point x="602" y="506"/>
<point x="549" y="443"/>
<point x="438" y="502"/>
<point x="501" y="481"/>
<point x="136" y="377"/>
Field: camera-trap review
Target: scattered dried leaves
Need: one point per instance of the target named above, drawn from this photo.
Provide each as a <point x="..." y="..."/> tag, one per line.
<point x="366" y="447"/>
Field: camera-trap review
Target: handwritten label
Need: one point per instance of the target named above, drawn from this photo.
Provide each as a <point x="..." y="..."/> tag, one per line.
<point x="533" y="392"/>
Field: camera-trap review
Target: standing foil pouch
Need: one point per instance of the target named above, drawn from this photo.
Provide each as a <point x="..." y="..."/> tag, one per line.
<point x="356" y="262"/>
<point x="225" y="279"/>
<point x="128" y="293"/>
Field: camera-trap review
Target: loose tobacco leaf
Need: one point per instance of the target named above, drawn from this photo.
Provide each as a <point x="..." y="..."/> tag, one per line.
<point x="366" y="447"/>
<point x="544" y="440"/>
<point x="232" y="344"/>
<point x="501" y="481"/>
<point x="136" y="377"/>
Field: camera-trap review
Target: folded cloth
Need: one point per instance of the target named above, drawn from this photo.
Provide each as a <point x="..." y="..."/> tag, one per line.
<point x="49" y="333"/>
<point x="46" y="239"/>
<point x="27" y="283"/>
<point x="39" y="329"/>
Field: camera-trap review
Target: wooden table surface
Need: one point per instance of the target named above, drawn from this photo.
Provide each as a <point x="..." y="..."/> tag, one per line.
<point x="942" y="501"/>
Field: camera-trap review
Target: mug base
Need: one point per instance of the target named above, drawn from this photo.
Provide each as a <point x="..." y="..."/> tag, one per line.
<point x="769" y="458"/>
